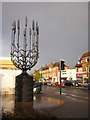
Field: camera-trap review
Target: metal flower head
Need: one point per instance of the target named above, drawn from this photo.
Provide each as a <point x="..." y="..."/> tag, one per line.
<point x="25" y="58"/>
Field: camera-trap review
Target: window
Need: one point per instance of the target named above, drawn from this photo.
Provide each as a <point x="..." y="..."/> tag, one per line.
<point x="50" y="70"/>
<point x="89" y="68"/>
<point x="79" y="69"/>
<point x="54" y="74"/>
<point x="87" y="59"/>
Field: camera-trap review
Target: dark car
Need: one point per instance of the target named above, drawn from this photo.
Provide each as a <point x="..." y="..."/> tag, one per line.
<point x="86" y="84"/>
<point x="68" y="83"/>
<point x="80" y="83"/>
<point x="49" y="83"/>
<point x="37" y="87"/>
<point x="75" y="83"/>
<point x="45" y="83"/>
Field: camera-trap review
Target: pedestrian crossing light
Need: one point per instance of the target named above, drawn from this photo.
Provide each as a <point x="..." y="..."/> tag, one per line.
<point x="62" y="64"/>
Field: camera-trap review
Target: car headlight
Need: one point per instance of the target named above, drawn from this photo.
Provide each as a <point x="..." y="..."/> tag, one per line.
<point x="34" y="89"/>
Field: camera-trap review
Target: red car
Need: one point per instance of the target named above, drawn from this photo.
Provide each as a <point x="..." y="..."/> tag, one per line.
<point x="58" y="84"/>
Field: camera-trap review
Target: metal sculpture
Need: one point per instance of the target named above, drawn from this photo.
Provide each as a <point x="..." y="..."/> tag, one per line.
<point x="25" y="58"/>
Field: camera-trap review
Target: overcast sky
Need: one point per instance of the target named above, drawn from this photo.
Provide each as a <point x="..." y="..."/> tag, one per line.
<point x="63" y="29"/>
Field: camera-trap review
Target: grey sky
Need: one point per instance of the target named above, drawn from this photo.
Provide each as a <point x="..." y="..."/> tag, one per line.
<point x="63" y="29"/>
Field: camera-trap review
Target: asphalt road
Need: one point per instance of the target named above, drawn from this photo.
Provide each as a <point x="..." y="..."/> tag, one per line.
<point x="75" y="102"/>
<point x="78" y="92"/>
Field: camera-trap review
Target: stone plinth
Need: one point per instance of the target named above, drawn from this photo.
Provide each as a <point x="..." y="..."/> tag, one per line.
<point x="24" y="88"/>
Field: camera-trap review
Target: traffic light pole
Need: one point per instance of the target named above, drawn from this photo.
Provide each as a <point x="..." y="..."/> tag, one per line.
<point x="60" y="82"/>
<point x="60" y="76"/>
<point x="61" y="67"/>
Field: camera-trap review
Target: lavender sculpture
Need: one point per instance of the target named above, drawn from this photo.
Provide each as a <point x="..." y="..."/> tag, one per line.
<point x="25" y="58"/>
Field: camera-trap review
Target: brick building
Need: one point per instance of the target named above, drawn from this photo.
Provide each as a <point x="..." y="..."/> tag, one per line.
<point x="51" y="72"/>
<point x="83" y="67"/>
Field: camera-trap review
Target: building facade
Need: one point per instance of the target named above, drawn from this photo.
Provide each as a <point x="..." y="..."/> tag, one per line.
<point x="83" y="67"/>
<point x="8" y="72"/>
<point x="51" y="73"/>
<point x="68" y="74"/>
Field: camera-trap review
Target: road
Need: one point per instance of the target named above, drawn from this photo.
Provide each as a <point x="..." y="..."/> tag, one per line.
<point x="69" y="91"/>
<point x="75" y="102"/>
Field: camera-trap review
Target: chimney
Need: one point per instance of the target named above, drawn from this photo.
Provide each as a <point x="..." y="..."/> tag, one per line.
<point x="45" y="65"/>
<point x="51" y="63"/>
<point x="41" y="67"/>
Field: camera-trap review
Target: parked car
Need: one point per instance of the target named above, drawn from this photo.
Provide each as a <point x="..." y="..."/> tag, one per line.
<point x="62" y="84"/>
<point x="36" y="90"/>
<point x="37" y="87"/>
<point x="68" y="83"/>
<point x="86" y="84"/>
<point x="80" y="83"/>
<point x="41" y="82"/>
<point x="49" y="83"/>
<point x="45" y="83"/>
<point x="58" y="84"/>
<point x="75" y="83"/>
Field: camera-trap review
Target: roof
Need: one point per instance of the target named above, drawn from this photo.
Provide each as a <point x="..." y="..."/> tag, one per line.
<point x="78" y="65"/>
<point x="45" y="68"/>
<point x="56" y="64"/>
<point x="85" y="55"/>
<point x="6" y="63"/>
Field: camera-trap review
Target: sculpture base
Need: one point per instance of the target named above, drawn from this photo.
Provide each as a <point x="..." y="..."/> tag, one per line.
<point x="24" y="109"/>
<point x="24" y="88"/>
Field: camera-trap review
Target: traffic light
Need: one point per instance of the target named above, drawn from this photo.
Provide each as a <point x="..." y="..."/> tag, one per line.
<point x="62" y="65"/>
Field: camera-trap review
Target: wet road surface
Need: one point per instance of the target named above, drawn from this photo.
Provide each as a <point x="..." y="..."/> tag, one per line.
<point x="68" y="91"/>
<point x="75" y="102"/>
